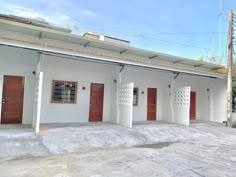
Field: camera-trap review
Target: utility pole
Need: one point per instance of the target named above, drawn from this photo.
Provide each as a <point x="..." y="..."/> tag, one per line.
<point x="229" y="81"/>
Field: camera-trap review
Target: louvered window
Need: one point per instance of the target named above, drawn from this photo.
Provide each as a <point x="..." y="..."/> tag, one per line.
<point x="64" y="92"/>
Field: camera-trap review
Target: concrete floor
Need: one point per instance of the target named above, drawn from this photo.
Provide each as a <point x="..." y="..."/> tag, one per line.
<point x="104" y="150"/>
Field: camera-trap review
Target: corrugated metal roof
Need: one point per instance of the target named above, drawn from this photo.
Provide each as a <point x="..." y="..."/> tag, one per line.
<point x="71" y="38"/>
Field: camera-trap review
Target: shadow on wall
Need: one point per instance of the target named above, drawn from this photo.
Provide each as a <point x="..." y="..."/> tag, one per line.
<point x="234" y="118"/>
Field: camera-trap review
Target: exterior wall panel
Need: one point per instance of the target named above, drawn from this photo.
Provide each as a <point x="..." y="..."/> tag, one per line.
<point x="55" y="68"/>
<point x="20" y="62"/>
<point x="207" y="90"/>
<point x="210" y="92"/>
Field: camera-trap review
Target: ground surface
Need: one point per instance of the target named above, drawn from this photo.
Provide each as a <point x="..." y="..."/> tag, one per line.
<point x="104" y="150"/>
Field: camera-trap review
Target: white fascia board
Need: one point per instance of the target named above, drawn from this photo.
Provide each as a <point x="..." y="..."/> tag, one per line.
<point x="102" y="43"/>
<point x="73" y="54"/>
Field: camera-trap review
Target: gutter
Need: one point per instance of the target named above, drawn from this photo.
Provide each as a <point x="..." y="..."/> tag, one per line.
<point x="89" y="55"/>
<point x="103" y="60"/>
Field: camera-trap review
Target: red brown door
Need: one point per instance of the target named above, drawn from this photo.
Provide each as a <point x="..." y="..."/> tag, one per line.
<point x="12" y="100"/>
<point x="151" y="103"/>
<point x="192" y="114"/>
<point x="96" y="102"/>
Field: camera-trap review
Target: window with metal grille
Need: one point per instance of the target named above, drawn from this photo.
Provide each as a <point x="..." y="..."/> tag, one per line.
<point x="135" y="97"/>
<point x="64" y="92"/>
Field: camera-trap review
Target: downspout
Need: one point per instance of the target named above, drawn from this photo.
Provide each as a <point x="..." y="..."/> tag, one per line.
<point x="211" y="105"/>
<point x="35" y="90"/>
<point x="39" y="91"/>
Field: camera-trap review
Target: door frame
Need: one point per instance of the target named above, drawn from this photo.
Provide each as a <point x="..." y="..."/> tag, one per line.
<point x="23" y="96"/>
<point x="156" y="103"/>
<point x="195" y="108"/>
<point x="89" y="120"/>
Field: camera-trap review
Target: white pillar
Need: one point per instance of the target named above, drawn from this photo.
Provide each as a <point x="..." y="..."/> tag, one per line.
<point x="39" y="101"/>
<point x="38" y="95"/>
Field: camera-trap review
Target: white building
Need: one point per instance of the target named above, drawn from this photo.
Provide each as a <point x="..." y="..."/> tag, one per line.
<point x="52" y="76"/>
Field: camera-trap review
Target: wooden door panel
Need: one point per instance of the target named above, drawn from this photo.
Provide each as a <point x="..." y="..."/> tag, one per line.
<point x="151" y="103"/>
<point x="192" y="114"/>
<point x="12" y="99"/>
<point x="152" y="116"/>
<point x="96" y="102"/>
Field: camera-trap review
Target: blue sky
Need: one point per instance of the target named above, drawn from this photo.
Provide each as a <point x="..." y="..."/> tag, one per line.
<point x="188" y="28"/>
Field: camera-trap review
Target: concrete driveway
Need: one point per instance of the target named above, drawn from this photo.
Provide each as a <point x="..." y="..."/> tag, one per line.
<point x="104" y="150"/>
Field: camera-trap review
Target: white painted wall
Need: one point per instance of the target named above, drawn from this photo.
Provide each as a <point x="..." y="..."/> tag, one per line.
<point x="144" y="79"/>
<point x="55" y="68"/>
<point x="20" y="62"/>
<point x="160" y="80"/>
<point x="219" y="101"/>
<point x="216" y="94"/>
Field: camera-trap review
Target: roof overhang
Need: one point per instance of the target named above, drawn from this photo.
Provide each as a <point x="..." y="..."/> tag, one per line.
<point x="77" y="56"/>
<point x="121" y="49"/>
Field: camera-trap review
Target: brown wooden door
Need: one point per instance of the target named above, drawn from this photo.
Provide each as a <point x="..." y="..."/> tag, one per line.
<point x="192" y="115"/>
<point x="96" y="102"/>
<point x="151" y="103"/>
<point x="12" y="100"/>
